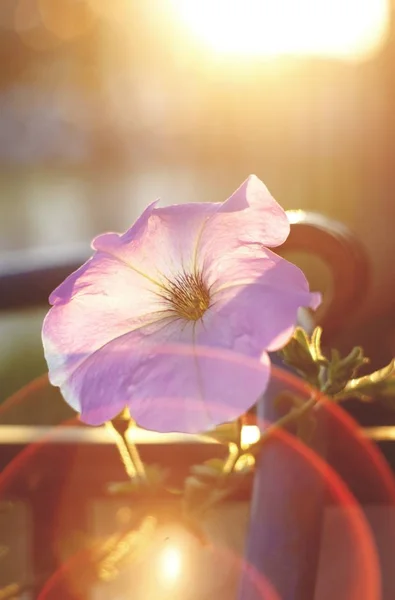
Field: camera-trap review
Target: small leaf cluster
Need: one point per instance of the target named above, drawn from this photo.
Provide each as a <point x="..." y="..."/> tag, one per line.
<point x="337" y="375"/>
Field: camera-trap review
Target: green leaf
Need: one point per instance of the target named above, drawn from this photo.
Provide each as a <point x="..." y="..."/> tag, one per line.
<point x="380" y="384"/>
<point x="297" y="354"/>
<point x="208" y="486"/>
<point x="341" y="370"/>
<point x="386" y="392"/>
<point x="228" y="432"/>
<point x="245" y="464"/>
<point x="210" y="470"/>
<point x="315" y="346"/>
<point x="302" y="338"/>
<point x="121" y="488"/>
<point x="155" y="478"/>
<point x="156" y="475"/>
<point x="195" y="491"/>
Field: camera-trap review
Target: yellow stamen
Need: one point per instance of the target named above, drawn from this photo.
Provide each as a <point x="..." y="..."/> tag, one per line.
<point x="188" y="296"/>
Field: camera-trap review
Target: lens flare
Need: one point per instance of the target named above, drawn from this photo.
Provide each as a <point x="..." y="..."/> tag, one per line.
<point x="249" y="435"/>
<point x="170" y="564"/>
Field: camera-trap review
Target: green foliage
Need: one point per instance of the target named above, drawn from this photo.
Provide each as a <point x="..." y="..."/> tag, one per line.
<point x="329" y="374"/>
<point x="336" y="376"/>
<point x="341" y="370"/>
<point x="379" y="384"/>
<point x="303" y="355"/>
<point x="155" y="478"/>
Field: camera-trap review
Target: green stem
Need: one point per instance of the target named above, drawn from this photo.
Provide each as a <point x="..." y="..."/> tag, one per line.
<point x="234" y="450"/>
<point x="231" y="460"/>
<point x="135" y="457"/>
<point x="124" y="451"/>
<point x="290" y="417"/>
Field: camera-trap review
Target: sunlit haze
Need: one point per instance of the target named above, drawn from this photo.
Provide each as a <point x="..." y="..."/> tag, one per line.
<point x="339" y="28"/>
<point x="170" y="564"/>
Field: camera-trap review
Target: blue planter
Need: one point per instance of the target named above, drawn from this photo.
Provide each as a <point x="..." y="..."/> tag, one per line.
<point x="286" y="518"/>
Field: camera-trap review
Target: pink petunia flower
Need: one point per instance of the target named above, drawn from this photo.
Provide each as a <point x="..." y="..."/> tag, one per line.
<point x="175" y="317"/>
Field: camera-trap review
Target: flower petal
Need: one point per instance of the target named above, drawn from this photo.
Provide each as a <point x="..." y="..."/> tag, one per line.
<point x="111" y="341"/>
<point x="118" y="290"/>
<point x="249" y="216"/>
<point x="164" y="242"/>
<point x="167" y="387"/>
<point x="104" y="299"/>
<point x="255" y="301"/>
<point x="252" y="264"/>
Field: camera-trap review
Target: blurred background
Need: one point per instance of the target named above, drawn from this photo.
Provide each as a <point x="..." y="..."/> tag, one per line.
<point x="106" y="105"/>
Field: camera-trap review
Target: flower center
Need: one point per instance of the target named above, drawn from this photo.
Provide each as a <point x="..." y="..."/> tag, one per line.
<point x="188" y="296"/>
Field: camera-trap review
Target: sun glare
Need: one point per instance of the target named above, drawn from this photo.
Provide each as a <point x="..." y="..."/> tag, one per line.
<point x="249" y="435"/>
<point x="170" y="564"/>
<point x="333" y="28"/>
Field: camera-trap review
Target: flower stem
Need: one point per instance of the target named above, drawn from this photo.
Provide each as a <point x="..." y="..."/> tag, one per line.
<point x="231" y="460"/>
<point x="292" y="416"/>
<point x="123" y="450"/>
<point x="134" y="453"/>
<point x="289" y="418"/>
